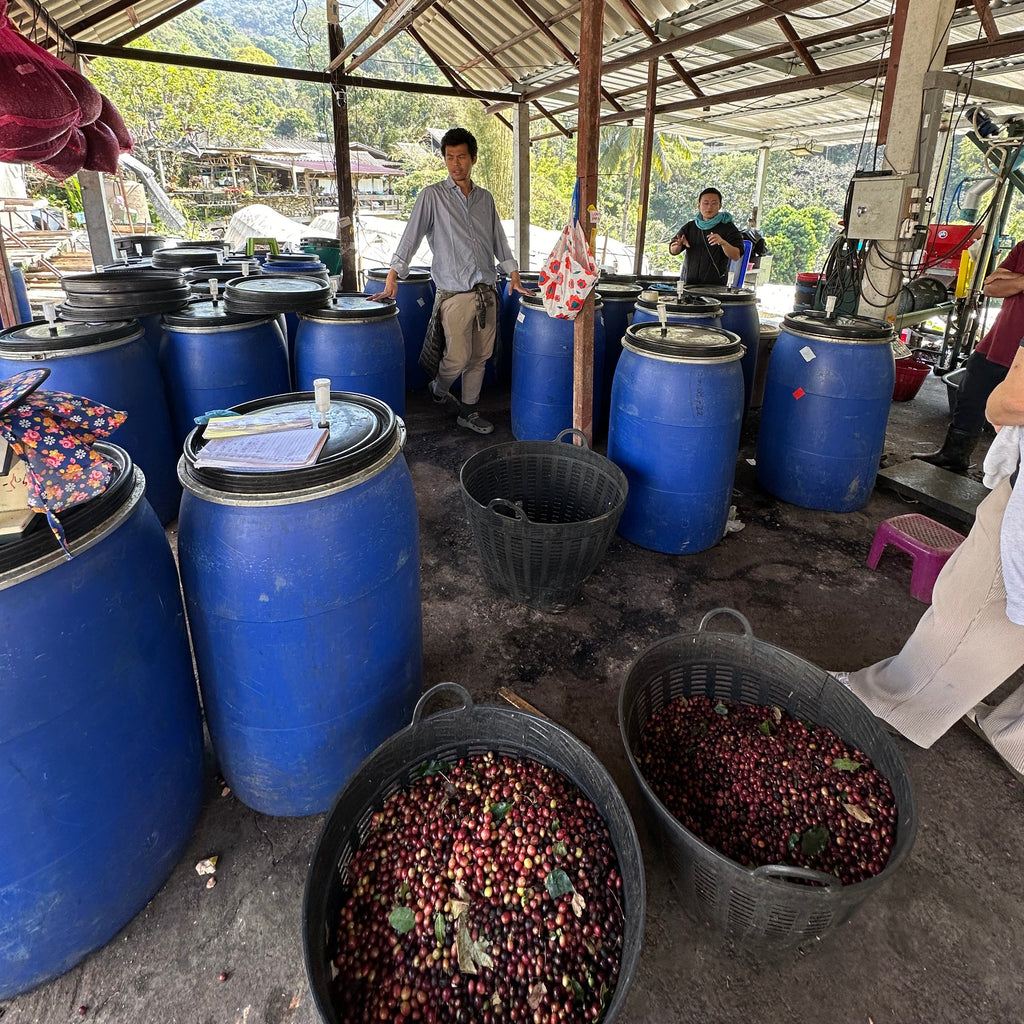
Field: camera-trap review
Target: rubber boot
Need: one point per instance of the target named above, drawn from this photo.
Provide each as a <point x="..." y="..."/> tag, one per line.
<point x="955" y="453"/>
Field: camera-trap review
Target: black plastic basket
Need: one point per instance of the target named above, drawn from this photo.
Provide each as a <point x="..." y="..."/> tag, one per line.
<point x="448" y="735"/>
<point x="771" y="908"/>
<point x="542" y="514"/>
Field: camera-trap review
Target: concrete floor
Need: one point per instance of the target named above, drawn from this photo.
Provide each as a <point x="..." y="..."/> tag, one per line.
<point x="938" y="943"/>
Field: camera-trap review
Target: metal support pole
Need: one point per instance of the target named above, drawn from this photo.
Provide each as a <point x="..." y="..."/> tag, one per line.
<point x="97" y="217"/>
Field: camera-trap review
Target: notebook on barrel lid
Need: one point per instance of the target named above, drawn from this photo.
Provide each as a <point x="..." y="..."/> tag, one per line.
<point x="278" y="450"/>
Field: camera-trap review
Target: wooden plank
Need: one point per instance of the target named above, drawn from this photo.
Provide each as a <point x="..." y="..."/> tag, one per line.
<point x="798" y="46"/>
<point x="591" y="43"/>
<point x="645" y="170"/>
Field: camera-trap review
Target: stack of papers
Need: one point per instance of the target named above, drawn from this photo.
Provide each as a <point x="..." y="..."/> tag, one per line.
<point x="257" y="423"/>
<point x="263" y="452"/>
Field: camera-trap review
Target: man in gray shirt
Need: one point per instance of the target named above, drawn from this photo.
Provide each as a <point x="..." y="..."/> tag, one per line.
<point x="461" y="226"/>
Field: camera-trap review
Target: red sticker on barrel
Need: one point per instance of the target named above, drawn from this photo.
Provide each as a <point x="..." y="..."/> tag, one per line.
<point x="799" y="393"/>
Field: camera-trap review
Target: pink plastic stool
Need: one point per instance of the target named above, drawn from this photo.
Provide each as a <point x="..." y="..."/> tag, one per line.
<point x="927" y="542"/>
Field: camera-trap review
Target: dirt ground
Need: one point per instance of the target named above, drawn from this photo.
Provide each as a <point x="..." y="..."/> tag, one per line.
<point x="934" y="944"/>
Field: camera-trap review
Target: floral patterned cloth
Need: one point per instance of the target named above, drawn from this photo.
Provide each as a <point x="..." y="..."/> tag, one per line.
<point x="53" y="433"/>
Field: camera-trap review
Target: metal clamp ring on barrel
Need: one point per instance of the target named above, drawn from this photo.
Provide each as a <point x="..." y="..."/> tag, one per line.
<point x="46" y="562"/>
<point x="219" y="497"/>
<point x="683" y="357"/>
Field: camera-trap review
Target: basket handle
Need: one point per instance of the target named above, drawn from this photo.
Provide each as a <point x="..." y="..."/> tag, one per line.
<point x="742" y="619"/>
<point x="791" y="871"/>
<point x="507" y="509"/>
<point x="576" y="434"/>
<point x="459" y="691"/>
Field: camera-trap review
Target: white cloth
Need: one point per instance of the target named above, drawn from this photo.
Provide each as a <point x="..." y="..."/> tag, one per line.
<point x="1003" y="456"/>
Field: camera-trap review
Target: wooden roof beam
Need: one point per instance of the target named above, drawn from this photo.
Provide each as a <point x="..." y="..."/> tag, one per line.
<point x="566" y="12"/>
<point x="988" y="23"/>
<point x="797" y="43"/>
<point x="641" y="23"/>
<point x="560" y="46"/>
<point x="406" y="14"/>
<point x="480" y="49"/>
<point x="153" y="23"/>
<point x="641" y="56"/>
<point x="1011" y="44"/>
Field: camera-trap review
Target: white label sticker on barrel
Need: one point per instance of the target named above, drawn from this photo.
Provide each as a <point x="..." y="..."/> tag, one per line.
<point x="808" y="353"/>
<point x="521" y="317"/>
<point x="421" y="301"/>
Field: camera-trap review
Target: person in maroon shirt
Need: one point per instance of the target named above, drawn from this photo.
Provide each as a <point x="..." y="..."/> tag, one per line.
<point x="987" y="365"/>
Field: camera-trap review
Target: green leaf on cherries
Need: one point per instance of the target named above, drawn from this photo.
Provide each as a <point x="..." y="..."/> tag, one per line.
<point x="577" y="989"/>
<point x="499" y="810"/>
<point x="558" y="884"/>
<point x="440" y="927"/>
<point x="814" y="840"/>
<point x="559" y="849"/>
<point x="555" y="826"/>
<point x="766" y="727"/>
<point x="402" y="919"/>
<point x="721" y="709"/>
<point x="792" y="842"/>
<point x="429" y="768"/>
<point x="844" y="764"/>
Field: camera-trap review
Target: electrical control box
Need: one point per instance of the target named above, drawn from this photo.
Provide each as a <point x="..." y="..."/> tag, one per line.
<point x="877" y="207"/>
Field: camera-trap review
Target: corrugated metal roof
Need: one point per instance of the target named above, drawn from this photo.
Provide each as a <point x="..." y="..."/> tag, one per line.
<point x="730" y="56"/>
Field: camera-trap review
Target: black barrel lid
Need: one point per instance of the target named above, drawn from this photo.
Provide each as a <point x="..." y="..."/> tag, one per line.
<point x="769" y="329"/>
<point x="42" y="336"/>
<point x="223" y="271"/>
<point x="187" y="256"/>
<point x="327" y="243"/>
<point x="126" y="282"/>
<point x="381" y="273"/>
<point x="362" y="430"/>
<point x="355" y="306"/>
<point x="843" y="326"/>
<point x="692" y="305"/>
<point x="276" y="293"/>
<point x="128" y="242"/>
<point x="619" y="286"/>
<point x="684" y="341"/>
<point x="723" y="293"/>
<point x="536" y="299"/>
<point x="132" y="263"/>
<point x="207" y="243"/>
<point x="293" y="257"/>
<point x="207" y="313"/>
<point x="78" y="520"/>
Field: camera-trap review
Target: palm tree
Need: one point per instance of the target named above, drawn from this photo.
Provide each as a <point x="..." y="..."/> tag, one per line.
<point x="620" y="152"/>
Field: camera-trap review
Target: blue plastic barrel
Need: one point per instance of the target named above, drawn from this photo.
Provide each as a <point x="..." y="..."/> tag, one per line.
<point x="415" y="302"/>
<point x="306" y="265"/>
<point x="303" y="597"/>
<point x="618" y="294"/>
<point x="101" y="742"/>
<point x="111" y="363"/>
<point x="674" y="430"/>
<point x="688" y="309"/>
<point x="499" y="366"/>
<point x="739" y="315"/>
<point x="212" y="359"/>
<point x="542" y="371"/>
<point x="21" y="303"/>
<point x="357" y="343"/>
<point x="826" y="403"/>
